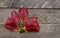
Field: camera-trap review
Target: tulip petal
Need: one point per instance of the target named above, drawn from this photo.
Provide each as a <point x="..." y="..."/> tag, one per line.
<point x="32" y="25"/>
<point x="10" y="24"/>
<point x="15" y="17"/>
<point x="23" y="13"/>
<point x="31" y="19"/>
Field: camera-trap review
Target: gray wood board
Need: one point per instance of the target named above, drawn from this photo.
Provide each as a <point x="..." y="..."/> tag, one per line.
<point x="49" y="21"/>
<point x="46" y="31"/>
<point x="30" y="3"/>
<point x="6" y="3"/>
<point x="44" y="16"/>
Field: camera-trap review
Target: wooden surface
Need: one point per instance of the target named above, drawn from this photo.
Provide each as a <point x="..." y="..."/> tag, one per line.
<point x="49" y="21"/>
<point x="45" y="16"/>
<point x="30" y="3"/>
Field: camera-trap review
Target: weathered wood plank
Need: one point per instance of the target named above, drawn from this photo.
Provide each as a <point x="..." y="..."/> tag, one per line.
<point x="37" y="3"/>
<point x="44" y="16"/>
<point x="6" y="3"/>
<point x="46" y="31"/>
<point x="30" y="3"/>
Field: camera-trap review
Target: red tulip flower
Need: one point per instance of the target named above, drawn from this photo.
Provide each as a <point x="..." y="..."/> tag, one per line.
<point x="21" y="23"/>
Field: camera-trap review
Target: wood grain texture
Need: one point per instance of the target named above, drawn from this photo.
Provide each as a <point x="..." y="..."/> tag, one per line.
<point x="49" y="21"/>
<point x="30" y="3"/>
<point x="44" y="16"/>
<point x="46" y="31"/>
<point x="37" y="3"/>
<point x="6" y="3"/>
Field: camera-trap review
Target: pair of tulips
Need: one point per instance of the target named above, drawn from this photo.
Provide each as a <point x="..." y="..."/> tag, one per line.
<point x="21" y="22"/>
